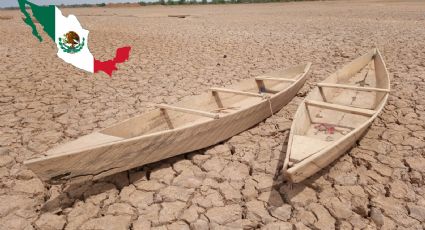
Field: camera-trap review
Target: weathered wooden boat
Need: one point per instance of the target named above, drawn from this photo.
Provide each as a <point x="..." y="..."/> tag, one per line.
<point x="194" y="123"/>
<point x="335" y="114"/>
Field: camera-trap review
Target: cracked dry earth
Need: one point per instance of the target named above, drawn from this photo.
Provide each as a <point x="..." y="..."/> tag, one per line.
<point x="237" y="184"/>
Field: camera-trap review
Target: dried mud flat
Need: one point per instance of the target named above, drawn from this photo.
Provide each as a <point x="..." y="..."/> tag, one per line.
<point x="379" y="184"/>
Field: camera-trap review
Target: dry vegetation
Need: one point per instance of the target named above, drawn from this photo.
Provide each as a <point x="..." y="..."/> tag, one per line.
<point x="5" y="17"/>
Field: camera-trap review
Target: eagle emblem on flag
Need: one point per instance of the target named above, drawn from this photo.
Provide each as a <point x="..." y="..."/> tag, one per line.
<point x="70" y="42"/>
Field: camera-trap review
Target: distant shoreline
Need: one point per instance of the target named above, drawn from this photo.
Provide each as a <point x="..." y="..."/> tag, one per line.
<point x="164" y="2"/>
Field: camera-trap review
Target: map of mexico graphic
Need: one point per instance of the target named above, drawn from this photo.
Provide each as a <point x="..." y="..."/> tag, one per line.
<point x="70" y="37"/>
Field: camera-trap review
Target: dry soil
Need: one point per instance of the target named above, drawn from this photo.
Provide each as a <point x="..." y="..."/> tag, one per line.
<point x="379" y="184"/>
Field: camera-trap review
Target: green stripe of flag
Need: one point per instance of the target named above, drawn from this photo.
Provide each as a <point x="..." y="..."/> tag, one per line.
<point x="44" y="14"/>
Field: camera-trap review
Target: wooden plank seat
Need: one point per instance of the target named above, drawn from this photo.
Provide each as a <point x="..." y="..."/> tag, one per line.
<point x="238" y="92"/>
<point x="190" y="111"/>
<point x="343" y="108"/>
<point x="353" y="87"/>
<point x="265" y="78"/>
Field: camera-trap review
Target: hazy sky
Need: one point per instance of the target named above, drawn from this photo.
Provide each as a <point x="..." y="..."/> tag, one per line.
<point x="9" y="3"/>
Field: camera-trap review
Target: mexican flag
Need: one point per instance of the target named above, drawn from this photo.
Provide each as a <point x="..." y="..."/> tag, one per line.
<point x="70" y="37"/>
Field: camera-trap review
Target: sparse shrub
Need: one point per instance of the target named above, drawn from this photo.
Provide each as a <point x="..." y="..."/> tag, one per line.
<point x="5" y="17"/>
<point x="78" y="5"/>
<point x="12" y="8"/>
<point x="101" y="4"/>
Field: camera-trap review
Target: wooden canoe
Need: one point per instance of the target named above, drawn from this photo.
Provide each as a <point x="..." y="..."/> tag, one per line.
<point x="335" y="114"/>
<point x="194" y="123"/>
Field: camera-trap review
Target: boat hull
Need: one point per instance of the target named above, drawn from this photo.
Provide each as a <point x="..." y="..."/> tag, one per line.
<point x="298" y="171"/>
<point x="319" y="161"/>
<point x="104" y="160"/>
